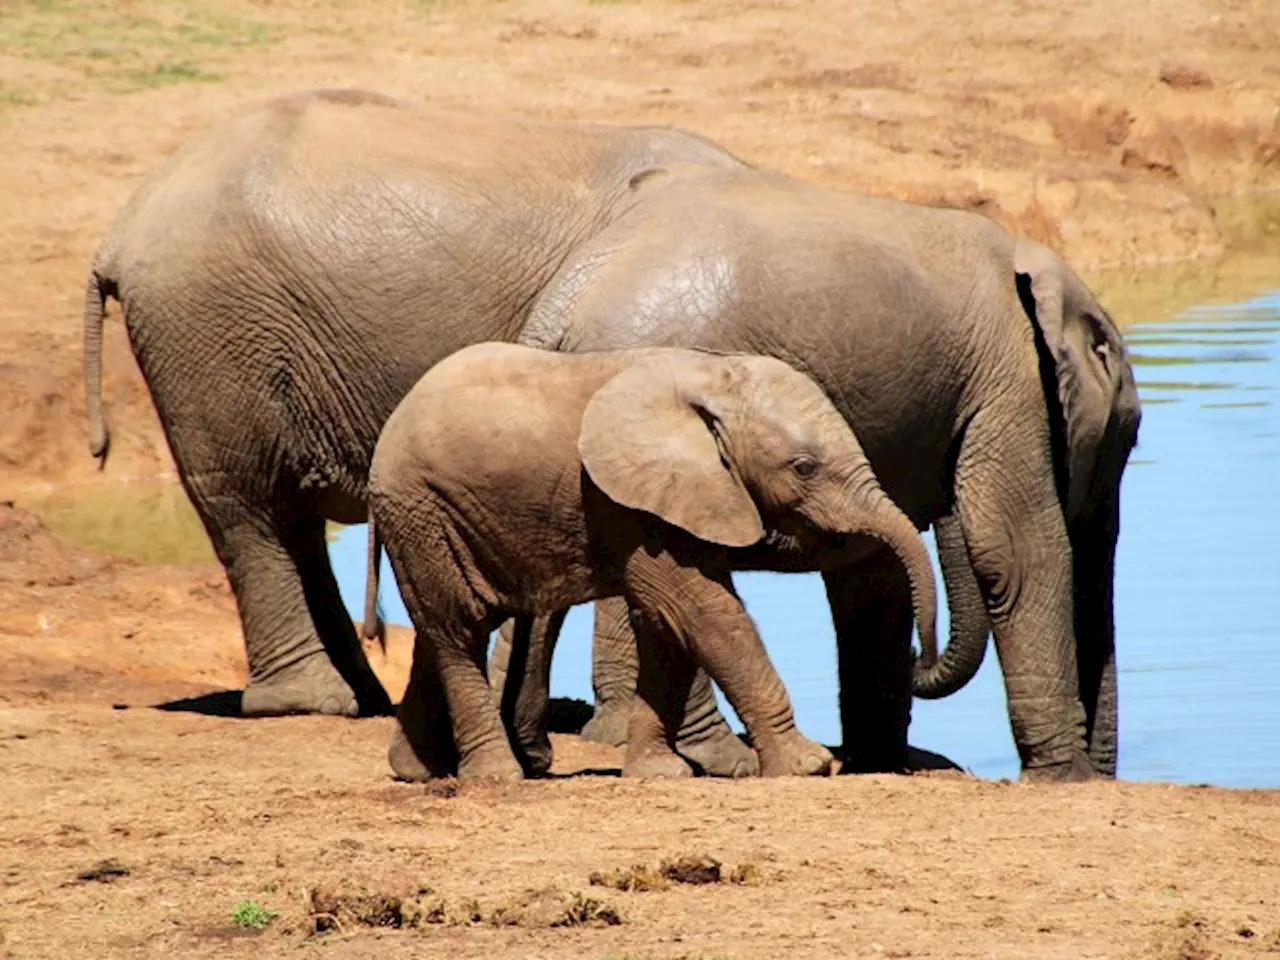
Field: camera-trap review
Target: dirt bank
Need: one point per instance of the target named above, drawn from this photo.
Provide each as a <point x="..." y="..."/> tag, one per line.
<point x="144" y="832"/>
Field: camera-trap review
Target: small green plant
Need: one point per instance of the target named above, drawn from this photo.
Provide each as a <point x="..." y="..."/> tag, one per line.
<point x="252" y="915"/>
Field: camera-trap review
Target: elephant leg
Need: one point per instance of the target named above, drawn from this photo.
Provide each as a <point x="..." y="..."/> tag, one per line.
<point x="529" y="643"/>
<point x="664" y="678"/>
<point x="613" y="673"/>
<point x="453" y="622"/>
<point x="1102" y="717"/>
<point x="332" y="620"/>
<point x="703" y="619"/>
<point x="871" y="607"/>
<point x="1020" y="552"/>
<point x="705" y="738"/>
<point x="289" y="669"/>
<point x="422" y="746"/>
<point x="484" y="750"/>
<point x="1093" y="544"/>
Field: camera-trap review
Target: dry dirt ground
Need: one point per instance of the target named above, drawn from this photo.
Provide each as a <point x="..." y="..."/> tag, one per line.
<point x="1123" y="134"/>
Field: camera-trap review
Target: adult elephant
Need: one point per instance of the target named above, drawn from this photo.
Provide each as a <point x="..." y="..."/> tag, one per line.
<point x="992" y="393"/>
<point x="288" y="276"/>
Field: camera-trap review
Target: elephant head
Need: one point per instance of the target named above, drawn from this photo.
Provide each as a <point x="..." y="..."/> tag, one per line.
<point x="1094" y="414"/>
<point x="725" y="447"/>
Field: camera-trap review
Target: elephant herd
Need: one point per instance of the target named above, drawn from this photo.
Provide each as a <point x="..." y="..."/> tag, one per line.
<point x="554" y="364"/>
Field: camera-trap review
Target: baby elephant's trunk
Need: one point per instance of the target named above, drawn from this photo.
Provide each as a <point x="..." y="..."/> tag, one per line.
<point x="885" y="522"/>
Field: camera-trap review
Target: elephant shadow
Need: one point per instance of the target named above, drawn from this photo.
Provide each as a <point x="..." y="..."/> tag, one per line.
<point x="220" y="703"/>
<point x="566" y="716"/>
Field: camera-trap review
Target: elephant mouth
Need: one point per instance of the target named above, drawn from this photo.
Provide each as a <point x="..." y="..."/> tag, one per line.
<point x="803" y="548"/>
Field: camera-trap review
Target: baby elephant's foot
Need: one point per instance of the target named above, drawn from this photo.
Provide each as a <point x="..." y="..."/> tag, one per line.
<point x="722" y="755"/>
<point x="495" y="764"/>
<point x="795" y="756"/>
<point x="656" y="765"/>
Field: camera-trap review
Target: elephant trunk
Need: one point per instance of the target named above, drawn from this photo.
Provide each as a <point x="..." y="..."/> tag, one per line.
<point x="95" y="303"/>
<point x="373" y="627"/>
<point x="967" y="644"/>
<point x="888" y="524"/>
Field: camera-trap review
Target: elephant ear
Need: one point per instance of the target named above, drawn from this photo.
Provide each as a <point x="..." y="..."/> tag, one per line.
<point x="1091" y="377"/>
<point x="653" y="439"/>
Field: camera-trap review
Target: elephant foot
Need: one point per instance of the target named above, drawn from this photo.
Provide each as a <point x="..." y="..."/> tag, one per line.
<point x="418" y="765"/>
<point x="863" y="757"/>
<point x="312" y="685"/>
<point x="493" y="764"/>
<point x="1076" y="770"/>
<point x="722" y="755"/>
<point x="536" y="757"/>
<point x="656" y="765"/>
<point x="795" y="756"/>
<point x="608" y="724"/>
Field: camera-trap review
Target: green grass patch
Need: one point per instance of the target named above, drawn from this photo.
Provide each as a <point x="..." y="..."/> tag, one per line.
<point x="100" y="47"/>
<point x="252" y="915"/>
<point x="150" y="523"/>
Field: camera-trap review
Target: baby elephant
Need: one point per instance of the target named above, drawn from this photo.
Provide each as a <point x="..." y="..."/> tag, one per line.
<point x="515" y="482"/>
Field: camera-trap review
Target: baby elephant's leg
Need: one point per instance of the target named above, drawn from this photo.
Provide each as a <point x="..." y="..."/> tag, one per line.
<point x="525" y="695"/>
<point x="422" y="747"/>
<point x="705" y="739"/>
<point x="448" y="674"/>
<point x="663" y="679"/>
<point x="484" y="751"/>
<point x="707" y="618"/>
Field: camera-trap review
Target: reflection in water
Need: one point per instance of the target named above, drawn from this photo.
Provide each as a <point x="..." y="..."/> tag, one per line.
<point x="1199" y="647"/>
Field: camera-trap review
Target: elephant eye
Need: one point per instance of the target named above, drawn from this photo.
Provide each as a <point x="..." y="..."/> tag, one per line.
<point x="804" y="467"/>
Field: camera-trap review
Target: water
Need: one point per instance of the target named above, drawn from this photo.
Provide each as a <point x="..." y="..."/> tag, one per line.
<point x="1199" y="642"/>
<point x="1197" y="572"/>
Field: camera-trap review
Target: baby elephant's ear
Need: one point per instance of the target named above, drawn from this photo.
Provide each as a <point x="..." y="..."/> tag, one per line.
<point x="648" y="442"/>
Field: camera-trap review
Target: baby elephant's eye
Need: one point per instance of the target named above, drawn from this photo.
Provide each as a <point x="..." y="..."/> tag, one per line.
<point x="804" y="467"/>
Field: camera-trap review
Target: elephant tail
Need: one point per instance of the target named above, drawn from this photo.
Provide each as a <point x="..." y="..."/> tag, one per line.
<point x="97" y="290"/>
<point x="967" y="644"/>
<point x="373" y="627"/>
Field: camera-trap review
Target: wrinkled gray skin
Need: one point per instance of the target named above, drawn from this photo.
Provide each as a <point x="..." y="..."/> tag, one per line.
<point x="288" y="276"/>
<point x="513" y="481"/>
<point x="990" y="390"/>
